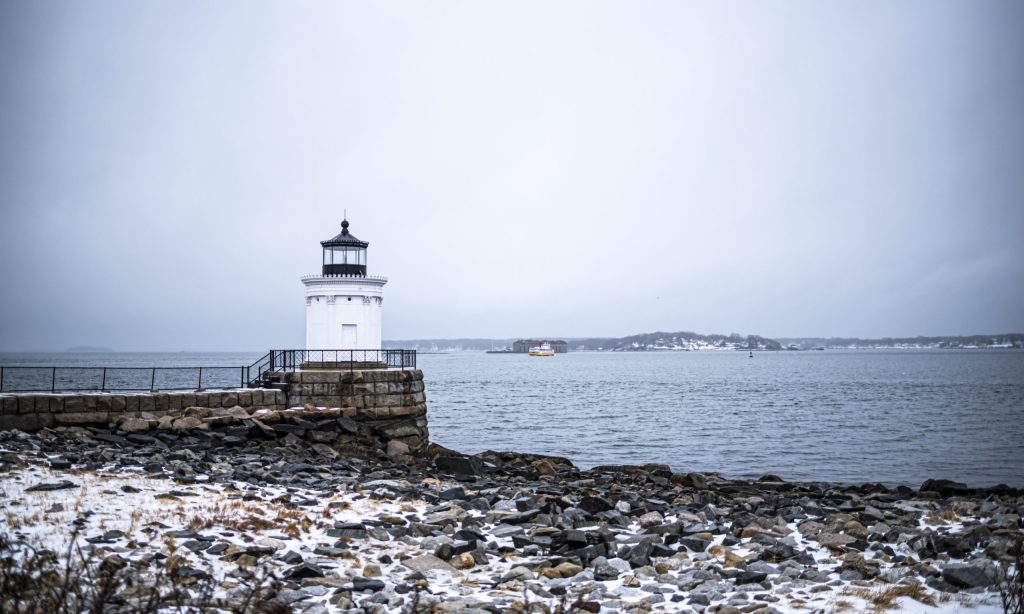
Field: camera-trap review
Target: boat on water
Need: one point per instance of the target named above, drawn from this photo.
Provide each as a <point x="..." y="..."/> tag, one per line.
<point x="543" y="349"/>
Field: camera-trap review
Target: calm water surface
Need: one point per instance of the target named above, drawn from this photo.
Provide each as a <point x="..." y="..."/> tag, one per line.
<point x="893" y="416"/>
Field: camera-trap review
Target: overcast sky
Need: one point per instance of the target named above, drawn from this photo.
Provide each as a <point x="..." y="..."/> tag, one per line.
<point x="167" y="169"/>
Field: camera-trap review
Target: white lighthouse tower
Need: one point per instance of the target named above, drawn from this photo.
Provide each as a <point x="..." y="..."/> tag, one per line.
<point x="344" y="304"/>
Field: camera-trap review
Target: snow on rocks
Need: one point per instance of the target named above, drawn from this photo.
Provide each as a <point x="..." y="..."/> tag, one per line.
<point x="502" y="531"/>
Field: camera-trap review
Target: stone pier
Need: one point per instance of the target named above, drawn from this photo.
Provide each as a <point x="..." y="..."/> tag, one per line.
<point x="384" y="409"/>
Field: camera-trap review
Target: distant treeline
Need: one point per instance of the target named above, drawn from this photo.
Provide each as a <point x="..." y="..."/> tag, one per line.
<point x="687" y="340"/>
<point x="684" y="340"/>
<point x="634" y="343"/>
<point x="1005" y="340"/>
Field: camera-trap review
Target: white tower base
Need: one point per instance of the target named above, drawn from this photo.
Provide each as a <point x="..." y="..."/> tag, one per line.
<point x="343" y="312"/>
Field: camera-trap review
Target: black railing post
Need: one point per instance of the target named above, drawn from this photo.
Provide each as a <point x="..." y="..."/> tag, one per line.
<point x="199" y="386"/>
<point x="241" y="374"/>
<point x="152" y="380"/>
<point x="1" y="379"/>
<point x="103" y="382"/>
<point x="53" y="381"/>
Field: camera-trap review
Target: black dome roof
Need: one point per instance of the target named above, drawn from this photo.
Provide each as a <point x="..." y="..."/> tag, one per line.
<point x="344" y="238"/>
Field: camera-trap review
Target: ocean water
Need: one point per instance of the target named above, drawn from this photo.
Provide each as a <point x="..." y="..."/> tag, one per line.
<point x="891" y="416"/>
<point x="124" y="370"/>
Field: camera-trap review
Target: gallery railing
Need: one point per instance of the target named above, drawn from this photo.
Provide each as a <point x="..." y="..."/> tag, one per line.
<point x="276" y="361"/>
<point x="118" y="379"/>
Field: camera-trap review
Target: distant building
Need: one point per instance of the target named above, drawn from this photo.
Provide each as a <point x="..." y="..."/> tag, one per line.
<point x="522" y="346"/>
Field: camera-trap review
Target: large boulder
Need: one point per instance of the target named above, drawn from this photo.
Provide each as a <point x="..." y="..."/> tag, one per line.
<point x="946" y="488"/>
<point x="458" y="465"/>
<point x="188" y="423"/>
<point x="397" y="448"/>
<point x="966" y="576"/>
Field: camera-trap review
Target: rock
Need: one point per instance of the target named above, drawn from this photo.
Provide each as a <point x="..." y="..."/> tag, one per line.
<point x="544" y="467"/>
<point x="371" y="570"/>
<point x="397" y="448"/>
<point x="855" y="529"/>
<point x="427" y="562"/>
<point x="360" y="584"/>
<point x="348" y="425"/>
<point x="751" y="577"/>
<point x="305" y="570"/>
<point x="268" y="543"/>
<point x="834" y="540"/>
<point x="945" y="488"/>
<point x="505" y="530"/>
<point x="325" y="450"/>
<point x="966" y="576"/>
<point x="695" y="544"/>
<point x="650" y="519"/>
<point x="197" y="412"/>
<point x="594" y="505"/>
<point x="567" y="569"/>
<point x="605" y="572"/>
<point x="48" y="486"/>
<point x="873" y="513"/>
<point x="188" y="423"/>
<point x="230" y="412"/>
<point x="134" y="425"/>
<point x="352" y="530"/>
<point x="519" y="573"/>
<point x="458" y="465"/>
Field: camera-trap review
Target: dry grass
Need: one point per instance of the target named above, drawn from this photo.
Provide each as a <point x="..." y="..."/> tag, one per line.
<point x="840" y="606"/>
<point x="243" y="517"/>
<point x="36" y="580"/>
<point x="883" y="597"/>
<point x="1011" y="587"/>
<point x="946" y="516"/>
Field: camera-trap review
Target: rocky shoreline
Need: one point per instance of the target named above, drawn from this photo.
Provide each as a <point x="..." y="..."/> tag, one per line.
<point x="499" y="532"/>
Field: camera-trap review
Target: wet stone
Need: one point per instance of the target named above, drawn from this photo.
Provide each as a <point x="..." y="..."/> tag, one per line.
<point x="360" y="584"/>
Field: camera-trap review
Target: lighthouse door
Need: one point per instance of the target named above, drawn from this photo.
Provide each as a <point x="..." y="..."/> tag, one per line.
<point x="348" y="336"/>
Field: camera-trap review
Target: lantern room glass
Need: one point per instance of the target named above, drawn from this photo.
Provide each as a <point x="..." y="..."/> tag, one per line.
<point x="345" y="255"/>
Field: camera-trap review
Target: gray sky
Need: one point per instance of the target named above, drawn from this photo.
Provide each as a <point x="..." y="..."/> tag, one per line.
<point x="568" y="169"/>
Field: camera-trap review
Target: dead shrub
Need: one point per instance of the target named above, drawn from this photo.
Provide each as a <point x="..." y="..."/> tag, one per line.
<point x="40" y="581"/>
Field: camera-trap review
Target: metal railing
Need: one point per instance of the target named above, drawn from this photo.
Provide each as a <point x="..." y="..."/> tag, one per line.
<point x="276" y="361"/>
<point x="118" y="379"/>
<point x="140" y="379"/>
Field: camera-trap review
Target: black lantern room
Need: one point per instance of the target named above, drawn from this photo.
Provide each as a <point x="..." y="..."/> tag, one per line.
<point x="344" y="254"/>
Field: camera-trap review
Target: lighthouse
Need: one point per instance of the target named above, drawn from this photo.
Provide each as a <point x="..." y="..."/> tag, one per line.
<point x="343" y="303"/>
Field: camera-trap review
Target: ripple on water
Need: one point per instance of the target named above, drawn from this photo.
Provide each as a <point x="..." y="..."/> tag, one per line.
<point x="890" y="416"/>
